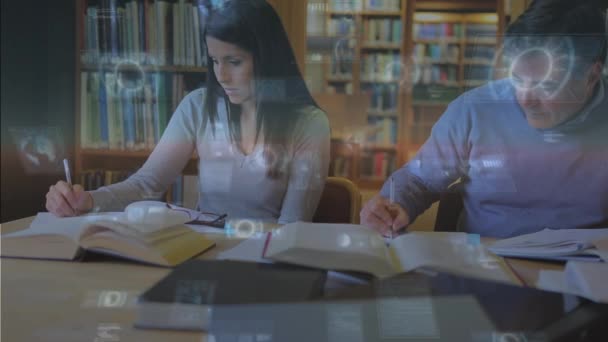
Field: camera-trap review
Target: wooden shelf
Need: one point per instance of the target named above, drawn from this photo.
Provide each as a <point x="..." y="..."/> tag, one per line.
<point x="115" y="153"/>
<point x="336" y="79"/>
<point x="342" y="13"/>
<point x="145" y="68"/>
<point x="381" y="13"/>
<point x="430" y="103"/>
<point x="451" y="40"/>
<point x="381" y="46"/>
<point x="124" y="160"/>
<point x="377" y="80"/>
<point x="437" y="61"/>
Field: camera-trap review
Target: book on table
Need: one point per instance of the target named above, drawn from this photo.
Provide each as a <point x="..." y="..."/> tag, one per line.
<point x="200" y="292"/>
<point x="557" y="244"/>
<point x="347" y="247"/>
<point x="166" y="243"/>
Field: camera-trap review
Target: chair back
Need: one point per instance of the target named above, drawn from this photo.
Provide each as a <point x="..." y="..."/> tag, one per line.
<point x="340" y="202"/>
<point x="449" y="209"/>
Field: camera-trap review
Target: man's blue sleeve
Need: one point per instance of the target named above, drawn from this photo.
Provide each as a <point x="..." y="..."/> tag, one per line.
<point x="441" y="160"/>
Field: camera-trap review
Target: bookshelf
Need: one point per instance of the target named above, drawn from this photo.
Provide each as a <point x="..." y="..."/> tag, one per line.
<point x="453" y="49"/>
<point x="355" y="47"/>
<point x="412" y="57"/>
<point x="135" y="61"/>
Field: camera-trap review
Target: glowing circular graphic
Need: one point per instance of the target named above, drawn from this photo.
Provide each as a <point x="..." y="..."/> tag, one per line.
<point x="395" y="71"/>
<point x="558" y="51"/>
<point x="270" y="158"/>
<point x="526" y="54"/>
<point x="246" y="228"/>
<point x="130" y="75"/>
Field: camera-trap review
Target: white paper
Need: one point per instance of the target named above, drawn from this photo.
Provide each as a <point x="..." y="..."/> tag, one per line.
<point x="451" y="254"/>
<point x="249" y="250"/>
<point x="206" y="229"/>
<point x="578" y="278"/>
<point x="71" y="227"/>
<point x="551" y="243"/>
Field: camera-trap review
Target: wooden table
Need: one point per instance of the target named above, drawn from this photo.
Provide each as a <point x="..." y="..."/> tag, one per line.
<point x="95" y="301"/>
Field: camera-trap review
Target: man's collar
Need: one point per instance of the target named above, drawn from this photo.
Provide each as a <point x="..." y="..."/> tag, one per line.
<point x="593" y="103"/>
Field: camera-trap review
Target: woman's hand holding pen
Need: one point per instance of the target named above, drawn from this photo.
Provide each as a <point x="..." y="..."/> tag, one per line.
<point x="383" y="216"/>
<point x="64" y="199"/>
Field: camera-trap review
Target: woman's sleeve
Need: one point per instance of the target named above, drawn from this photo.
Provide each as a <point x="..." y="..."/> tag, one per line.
<point x="308" y="169"/>
<point x="162" y="167"/>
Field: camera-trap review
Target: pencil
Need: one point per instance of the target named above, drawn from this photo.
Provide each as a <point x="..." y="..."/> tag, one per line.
<point x="66" y="168"/>
<point x="392" y="197"/>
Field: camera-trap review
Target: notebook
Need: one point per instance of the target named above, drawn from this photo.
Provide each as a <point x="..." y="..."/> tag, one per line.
<point x="557" y="244"/>
<point x="201" y="290"/>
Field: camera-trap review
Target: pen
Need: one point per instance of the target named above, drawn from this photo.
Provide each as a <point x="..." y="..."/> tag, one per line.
<point x="66" y="168"/>
<point x="392" y="197"/>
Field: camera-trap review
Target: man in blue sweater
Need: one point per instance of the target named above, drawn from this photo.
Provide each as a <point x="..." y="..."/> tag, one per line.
<point x="531" y="150"/>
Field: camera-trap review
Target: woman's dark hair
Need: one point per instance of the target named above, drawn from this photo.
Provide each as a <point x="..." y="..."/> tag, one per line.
<point x="581" y="23"/>
<point x="280" y="90"/>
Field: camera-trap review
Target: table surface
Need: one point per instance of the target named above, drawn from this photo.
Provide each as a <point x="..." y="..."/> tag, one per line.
<point x="95" y="301"/>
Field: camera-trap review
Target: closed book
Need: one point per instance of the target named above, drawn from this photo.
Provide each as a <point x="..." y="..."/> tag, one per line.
<point x="213" y="294"/>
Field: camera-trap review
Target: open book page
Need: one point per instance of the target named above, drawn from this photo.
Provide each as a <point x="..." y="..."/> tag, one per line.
<point x="48" y="237"/>
<point x="550" y="243"/>
<point x="450" y="254"/>
<point x="583" y="279"/>
<point x="49" y="224"/>
<point x="343" y="247"/>
<point x="168" y="247"/>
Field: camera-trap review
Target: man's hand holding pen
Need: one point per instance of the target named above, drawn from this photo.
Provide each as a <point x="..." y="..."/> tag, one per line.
<point x="383" y="216"/>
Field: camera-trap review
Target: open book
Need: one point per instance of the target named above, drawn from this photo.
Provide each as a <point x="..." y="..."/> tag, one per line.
<point x="347" y="247"/>
<point x="557" y="244"/>
<point x="50" y="237"/>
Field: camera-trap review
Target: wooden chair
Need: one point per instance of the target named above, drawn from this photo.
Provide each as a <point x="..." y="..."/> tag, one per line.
<point x="346" y="150"/>
<point x="347" y="116"/>
<point x="340" y="202"/>
<point x="449" y="209"/>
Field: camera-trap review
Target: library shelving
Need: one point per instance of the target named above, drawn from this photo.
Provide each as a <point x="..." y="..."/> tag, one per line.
<point x="356" y="47"/>
<point x="453" y="48"/>
<point x="135" y="60"/>
<point x="412" y="57"/>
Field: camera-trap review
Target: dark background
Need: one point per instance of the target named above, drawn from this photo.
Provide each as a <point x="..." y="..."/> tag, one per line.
<point x="37" y="90"/>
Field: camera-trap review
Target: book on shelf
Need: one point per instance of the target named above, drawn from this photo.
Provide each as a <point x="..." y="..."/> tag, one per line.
<point x="383" y="31"/>
<point x="384" y="96"/>
<point x="167" y="242"/>
<point x="382" y="5"/>
<point x="346" y="5"/>
<point x="120" y="113"/>
<point x="386" y="132"/>
<point x="148" y="32"/>
<point x="557" y="244"/>
<point x="377" y="165"/>
<point x="346" y="247"/>
<point x="380" y="67"/>
<point x="441" y="31"/>
<point x="203" y="294"/>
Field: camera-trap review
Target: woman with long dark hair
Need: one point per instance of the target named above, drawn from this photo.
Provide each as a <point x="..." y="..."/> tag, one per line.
<point x="262" y="142"/>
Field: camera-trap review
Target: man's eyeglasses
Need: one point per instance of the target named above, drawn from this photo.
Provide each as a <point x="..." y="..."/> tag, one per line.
<point x="201" y="218"/>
